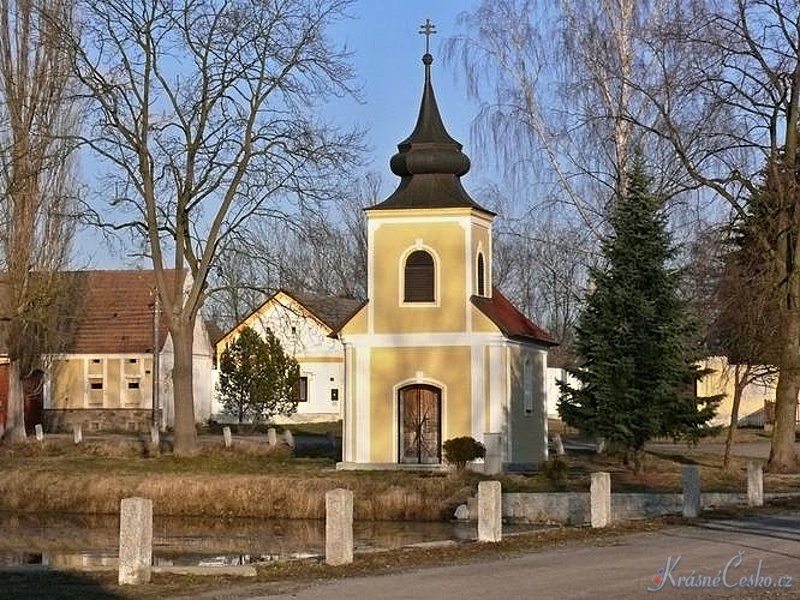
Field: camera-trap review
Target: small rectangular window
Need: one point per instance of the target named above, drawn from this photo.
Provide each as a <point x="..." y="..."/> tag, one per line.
<point x="96" y="384"/>
<point x="133" y="361"/>
<point x="528" y="383"/>
<point x="133" y="385"/>
<point x="96" y="361"/>
<point x="301" y="389"/>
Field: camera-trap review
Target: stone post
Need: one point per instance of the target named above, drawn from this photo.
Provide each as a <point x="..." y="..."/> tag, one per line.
<point x="755" y="484"/>
<point x="600" y="504"/>
<point x="559" y="445"/>
<point x="39" y="432"/>
<point x="601" y="445"/>
<point x="493" y="462"/>
<point x="135" y="540"/>
<point x="272" y="437"/>
<point x="692" y="500"/>
<point x="339" y="527"/>
<point x="288" y="438"/>
<point x="226" y="434"/>
<point x="490" y="512"/>
<point x="77" y="433"/>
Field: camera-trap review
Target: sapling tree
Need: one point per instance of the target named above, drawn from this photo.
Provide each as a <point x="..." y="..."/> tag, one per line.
<point x="258" y="380"/>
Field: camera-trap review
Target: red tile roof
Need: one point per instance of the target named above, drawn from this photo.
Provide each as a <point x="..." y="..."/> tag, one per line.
<point x="511" y="322"/>
<point x="333" y="311"/>
<point x="116" y="312"/>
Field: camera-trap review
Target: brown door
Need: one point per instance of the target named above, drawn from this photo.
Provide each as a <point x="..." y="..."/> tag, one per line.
<point x="34" y="401"/>
<point x="420" y="409"/>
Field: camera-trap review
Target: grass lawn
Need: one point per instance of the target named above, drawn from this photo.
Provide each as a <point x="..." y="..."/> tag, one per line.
<point x="249" y="480"/>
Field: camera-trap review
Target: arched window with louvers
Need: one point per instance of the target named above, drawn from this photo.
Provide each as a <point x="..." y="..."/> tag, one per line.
<point x="419" y="283"/>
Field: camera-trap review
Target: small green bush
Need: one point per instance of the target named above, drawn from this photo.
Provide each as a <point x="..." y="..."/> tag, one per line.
<point x="461" y="450"/>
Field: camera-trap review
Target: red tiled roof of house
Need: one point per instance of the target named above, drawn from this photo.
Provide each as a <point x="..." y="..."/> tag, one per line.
<point x="511" y="322"/>
<point x="333" y="311"/>
<point x="116" y="312"/>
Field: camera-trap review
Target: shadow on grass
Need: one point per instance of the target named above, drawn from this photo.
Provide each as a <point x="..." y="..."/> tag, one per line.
<point x="33" y="583"/>
<point x="680" y="458"/>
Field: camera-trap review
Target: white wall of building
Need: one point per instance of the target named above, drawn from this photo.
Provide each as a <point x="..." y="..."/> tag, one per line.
<point x="321" y="357"/>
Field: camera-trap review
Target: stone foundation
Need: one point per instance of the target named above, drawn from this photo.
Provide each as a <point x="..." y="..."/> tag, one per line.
<point x="99" y="419"/>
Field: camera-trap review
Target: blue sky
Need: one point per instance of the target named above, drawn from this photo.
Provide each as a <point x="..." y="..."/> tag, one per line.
<point x="387" y="54"/>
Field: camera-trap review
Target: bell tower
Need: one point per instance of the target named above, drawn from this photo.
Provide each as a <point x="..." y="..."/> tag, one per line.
<point x="429" y="244"/>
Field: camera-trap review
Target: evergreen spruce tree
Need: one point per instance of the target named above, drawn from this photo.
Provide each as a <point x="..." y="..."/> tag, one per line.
<point x="257" y="378"/>
<point x="636" y="340"/>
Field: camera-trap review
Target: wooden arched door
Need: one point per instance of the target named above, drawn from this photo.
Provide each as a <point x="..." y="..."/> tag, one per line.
<point x="420" y="424"/>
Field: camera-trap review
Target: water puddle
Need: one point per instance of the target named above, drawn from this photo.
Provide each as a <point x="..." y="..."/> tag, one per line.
<point x="87" y="542"/>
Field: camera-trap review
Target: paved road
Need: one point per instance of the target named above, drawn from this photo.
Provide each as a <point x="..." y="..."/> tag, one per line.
<point x="738" y="551"/>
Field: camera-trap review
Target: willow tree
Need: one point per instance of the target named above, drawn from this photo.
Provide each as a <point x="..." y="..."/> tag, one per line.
<point x="37" y="184"/>
<point x="552" y="80"/>
<point x="203" y="114"/>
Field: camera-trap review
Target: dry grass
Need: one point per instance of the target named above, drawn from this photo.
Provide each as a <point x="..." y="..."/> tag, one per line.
<point x="243" y="481"/>
<point x="249" y="480"/>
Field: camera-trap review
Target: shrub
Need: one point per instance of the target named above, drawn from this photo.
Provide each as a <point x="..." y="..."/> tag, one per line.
<point x="461" y="450"/>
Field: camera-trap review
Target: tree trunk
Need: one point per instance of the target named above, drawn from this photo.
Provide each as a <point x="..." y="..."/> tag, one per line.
<point x="15" y="421"/>
<point x="740" y="381"/>
<point x="782" y="456"/>
<point x="183" y="392"/>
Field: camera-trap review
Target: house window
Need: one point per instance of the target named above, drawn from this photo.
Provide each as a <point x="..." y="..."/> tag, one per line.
<point x="95" y="392"/>
<point x="95" y="368"/>
<point x="527" y="382"/>
<point x="133" y="361"/>
<point x="133" y="392"/>
<point x="419" y="277"/>
<point x="481" y="276"/>
<point x="301" y="389"/>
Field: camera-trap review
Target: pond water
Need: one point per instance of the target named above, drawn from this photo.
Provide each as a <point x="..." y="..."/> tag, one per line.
<point x="82" y="541"/>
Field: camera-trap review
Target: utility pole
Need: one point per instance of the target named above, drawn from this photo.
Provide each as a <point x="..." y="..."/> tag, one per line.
<point x="156" y="366"/>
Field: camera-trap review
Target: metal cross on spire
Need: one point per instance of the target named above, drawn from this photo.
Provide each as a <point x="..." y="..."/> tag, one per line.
<point x="427" y="29"/>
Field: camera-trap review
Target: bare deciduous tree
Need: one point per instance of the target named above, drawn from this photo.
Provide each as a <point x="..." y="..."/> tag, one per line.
<point x="735" y="300"/>
<point x="37" y="114"/>
<point x="727" y="100"/>
<point x="203" y="116"/>
<point x="553" y="83"/>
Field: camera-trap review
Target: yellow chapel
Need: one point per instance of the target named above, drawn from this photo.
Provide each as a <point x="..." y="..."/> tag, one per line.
<point x="437" y="352"/>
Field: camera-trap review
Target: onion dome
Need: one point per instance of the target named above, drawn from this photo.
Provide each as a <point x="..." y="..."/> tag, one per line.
<point x="429" y="161"/>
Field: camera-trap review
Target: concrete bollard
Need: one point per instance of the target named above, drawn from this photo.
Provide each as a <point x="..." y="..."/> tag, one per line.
<point x="288" y="438"/>
<point x="339" y="527"/>
<point x="600" y="500"/>
<point x="490" y="512"/>
<point x="559" y="445"/>
<point x="135" y="540"/>
<point x="755" y="484"/>
<point x="602" y="446"/>
<point x="226" y="435"/>
<point x="39" y="432"/>
<point x="272" y="437"/>
<point x="77" y="433"/>
<point x="692" y="499"/>
<point x="155" y="436"/>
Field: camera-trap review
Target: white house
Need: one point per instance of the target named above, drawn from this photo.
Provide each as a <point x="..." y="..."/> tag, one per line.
<point x="303" y="323"/>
